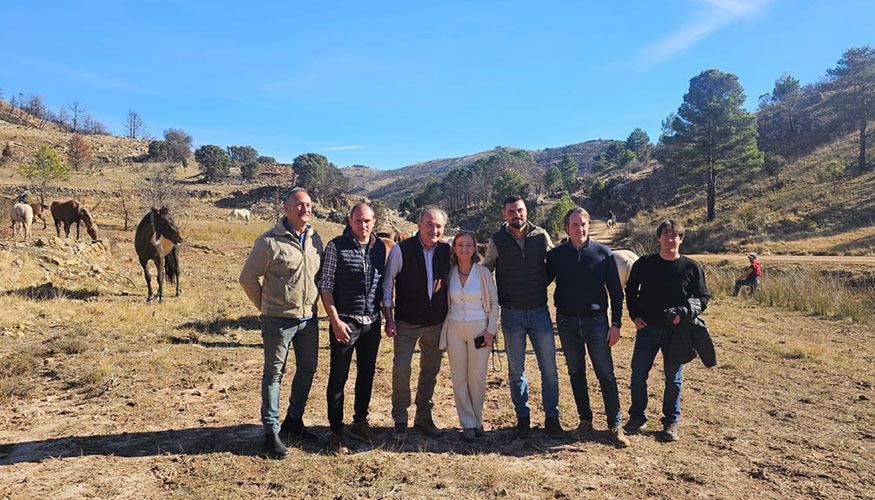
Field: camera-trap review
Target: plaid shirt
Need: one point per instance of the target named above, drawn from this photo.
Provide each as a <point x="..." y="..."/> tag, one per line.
<point x="329" y="268"/>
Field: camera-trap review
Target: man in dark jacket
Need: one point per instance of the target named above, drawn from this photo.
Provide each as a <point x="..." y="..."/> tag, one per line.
<point x="417" y="269"/>
<point x="350" y="282"/>
<point x="661" y="292"/>
<point x="582" y="269"/>
<point x="518" y="254"/>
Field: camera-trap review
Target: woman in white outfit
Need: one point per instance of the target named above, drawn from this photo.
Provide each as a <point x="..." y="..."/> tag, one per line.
<point x="473" y="313"/>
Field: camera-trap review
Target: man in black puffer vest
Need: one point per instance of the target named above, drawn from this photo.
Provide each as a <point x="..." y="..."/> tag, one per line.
<point x="518" y="252"/>
<point x="418" y="268"/>
<point x="350" y="282"/>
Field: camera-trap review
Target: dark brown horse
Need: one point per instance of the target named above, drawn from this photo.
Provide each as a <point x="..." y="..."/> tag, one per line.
<point x="158" y="240"/>
<point x="70" y="212"/>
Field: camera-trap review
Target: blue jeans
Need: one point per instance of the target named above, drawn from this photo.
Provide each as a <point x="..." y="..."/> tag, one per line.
<point x="277" y="333"/>
<point x="536" y="323"/>
<point x="648" y="341"/>
<point x="577" y="334"/>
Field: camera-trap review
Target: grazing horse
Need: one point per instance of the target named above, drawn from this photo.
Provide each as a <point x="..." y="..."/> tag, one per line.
<point x="237" y="214"/>
<point x="401" y="236"/>
<point x="21" y="214"/>
<point x="38" y="209"/>
<point x="624" y="259"/>
<point x="158" y="240"/>
<point x="70" y="212"/>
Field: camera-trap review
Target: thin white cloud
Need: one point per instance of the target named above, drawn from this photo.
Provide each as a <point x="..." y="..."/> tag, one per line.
<point x="342" y="148"/>
<point x="84" y="77"/>
<point x="717" y="15"/>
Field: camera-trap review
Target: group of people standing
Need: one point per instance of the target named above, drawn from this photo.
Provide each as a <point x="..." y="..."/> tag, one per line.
<point x="439" y="296"/>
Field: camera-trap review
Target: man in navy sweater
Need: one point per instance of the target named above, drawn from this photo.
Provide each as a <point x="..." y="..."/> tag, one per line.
<point x="582" y="269"/>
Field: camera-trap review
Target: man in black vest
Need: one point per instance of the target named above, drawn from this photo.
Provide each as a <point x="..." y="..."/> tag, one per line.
<point x="418" y="268"/>
<point x="350" y="282"/>
<point x="518" y="252"/>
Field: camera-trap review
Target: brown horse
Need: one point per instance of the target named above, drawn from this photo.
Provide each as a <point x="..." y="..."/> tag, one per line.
<point x="70" y="212"/>
<point x="38" y="209"/>
<point x="158" y="240"/>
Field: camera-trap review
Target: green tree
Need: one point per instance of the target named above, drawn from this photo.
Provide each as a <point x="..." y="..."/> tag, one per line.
<point x="712" y="133"/>
<point x="555" y="222"/>
<point x="430" y="194"/>
<point x="785" y="87"/>
<point x="855" y="72"/>
<point x="832" y="171"/>
<point x="265" y="160"/>
<point x="46" y="166"/>
<point x="569" y="173"/>
<point x="773" y="164"/>
<point x="178" y="144"/>
<point x="241" y="155"/>
<point x="638" y="142"/>
<point x="553" y="179"/>
<point x="214" y="161"/>
<point x="381" y="216"/>
<point x="250" y="170"/>
<point x="324" y="181"/>
<point x="626" y="157"/>
<point x="509" y="183"/>
<point x="408" y="205"/>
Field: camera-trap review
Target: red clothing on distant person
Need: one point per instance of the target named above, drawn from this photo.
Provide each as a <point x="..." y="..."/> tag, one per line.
<point x="756" y="268"/>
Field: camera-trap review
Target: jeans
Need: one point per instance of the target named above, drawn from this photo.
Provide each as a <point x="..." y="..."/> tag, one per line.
<point x="536" y="323"/>
<point x="365" y="341"/>
<point x="430" y="357"/>
<point x="577" y="334"/>
<point x="752" y="281"/>
<point x="648" y="341"/>
<point x="277" y="333"/>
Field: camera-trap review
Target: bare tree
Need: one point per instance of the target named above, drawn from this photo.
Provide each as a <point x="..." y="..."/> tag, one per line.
<point x="160" y="189"/>
<point x="80" y="152"/>
<point x="77" y="111"/>
<point x="134" y="125"/>
<point x="62" y="118"/>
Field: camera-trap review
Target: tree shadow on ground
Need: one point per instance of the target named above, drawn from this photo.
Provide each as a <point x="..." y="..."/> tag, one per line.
<point x="47" y="291"/>
<point x="242" y="440"/>
<point x="221" y="326"/>
<point x="245" y="199"/>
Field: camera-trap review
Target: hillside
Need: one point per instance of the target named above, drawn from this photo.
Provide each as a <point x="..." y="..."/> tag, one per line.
<point x="392" y="186"/>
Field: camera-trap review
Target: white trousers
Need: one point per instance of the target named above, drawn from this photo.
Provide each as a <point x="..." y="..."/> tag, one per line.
<point x="468" y="368"/>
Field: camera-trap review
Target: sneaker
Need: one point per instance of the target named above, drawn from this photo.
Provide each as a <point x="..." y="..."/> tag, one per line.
<point x="427" y="427"/>
<point x="274" y="447"/>
<point x="618" y="438"/>
<point x="469" y="435"/>
<point x="479" y="432"/>
<point x="670" y="431"/>
<point x="336" y="447"/>
<point x="635" y="425"/>
<point x="553" y="427"/>
<point x="584" y="428"/>
<point x="400" y="432"/>
<point x="362" y="431"/>
<point x="523" y="426"/>
<point x="293" y="428"/>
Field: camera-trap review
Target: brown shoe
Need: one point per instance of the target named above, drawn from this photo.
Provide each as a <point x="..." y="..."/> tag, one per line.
<point x="427" y="427"/>
<point x="362" y="431"/>
<point x="584" y="428"/>
<point x="337" y="447"/>
<point x="618" y="438"/>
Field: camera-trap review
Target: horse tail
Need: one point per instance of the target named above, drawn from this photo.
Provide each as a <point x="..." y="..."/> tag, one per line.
<point x="171" y="265"/>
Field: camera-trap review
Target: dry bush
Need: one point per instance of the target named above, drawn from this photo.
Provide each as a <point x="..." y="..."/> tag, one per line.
<point x="80" y="153"/>
<point x="158" y="188"/>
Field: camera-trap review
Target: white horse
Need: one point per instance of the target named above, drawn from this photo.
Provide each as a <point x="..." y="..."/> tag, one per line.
<point x="21" y="214"/>
<point x="237" y="214"/>
<point x="624" y="259"/>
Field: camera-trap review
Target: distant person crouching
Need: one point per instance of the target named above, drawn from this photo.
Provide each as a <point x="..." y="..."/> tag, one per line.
<point x="751" y="276"/>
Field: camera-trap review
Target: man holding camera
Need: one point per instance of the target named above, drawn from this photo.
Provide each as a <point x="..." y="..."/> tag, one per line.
<point x="664" y="289"/>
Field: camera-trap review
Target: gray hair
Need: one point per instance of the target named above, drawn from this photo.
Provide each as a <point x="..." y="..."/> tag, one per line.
<point x="426" y="210"/>
<point x="294" y="191"/>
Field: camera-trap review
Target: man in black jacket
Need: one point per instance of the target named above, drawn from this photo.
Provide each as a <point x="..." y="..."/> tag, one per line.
<point x="582" y="269"/>
<point x="417" y="269"/>
<point x="664" y="289"/>
<point x="350" y="282"/>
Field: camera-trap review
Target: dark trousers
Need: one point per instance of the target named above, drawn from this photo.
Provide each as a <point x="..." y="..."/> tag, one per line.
<point x="365" y="341"/>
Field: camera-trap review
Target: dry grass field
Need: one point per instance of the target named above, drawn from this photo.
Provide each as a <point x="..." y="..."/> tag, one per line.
<point x="105" y="396"/>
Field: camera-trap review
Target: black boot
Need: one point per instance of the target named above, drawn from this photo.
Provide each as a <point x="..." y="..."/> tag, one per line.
<point x="293" y="428"/>
<point x="523" y="424"/>
<point x="274" y="447"/>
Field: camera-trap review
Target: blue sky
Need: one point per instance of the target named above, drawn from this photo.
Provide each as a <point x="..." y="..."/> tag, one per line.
<point x="388" y="84"/>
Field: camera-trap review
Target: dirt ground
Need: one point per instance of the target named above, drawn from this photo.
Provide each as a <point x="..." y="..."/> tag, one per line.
<point x="106" y="396"/>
